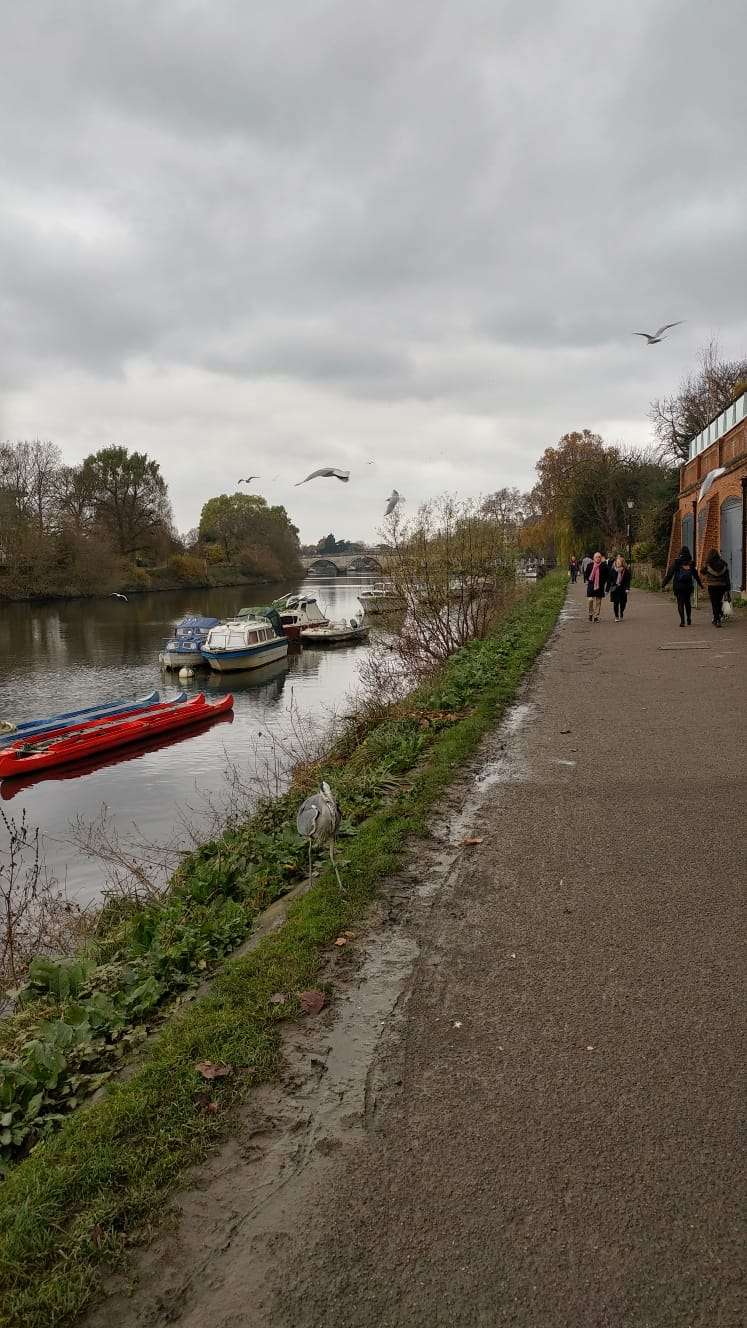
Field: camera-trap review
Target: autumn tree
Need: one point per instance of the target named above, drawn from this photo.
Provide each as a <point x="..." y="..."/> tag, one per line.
<point x="247" y="529"/>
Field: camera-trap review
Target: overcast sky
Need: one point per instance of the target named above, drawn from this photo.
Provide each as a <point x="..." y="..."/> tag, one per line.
<point x="270" y="237"/>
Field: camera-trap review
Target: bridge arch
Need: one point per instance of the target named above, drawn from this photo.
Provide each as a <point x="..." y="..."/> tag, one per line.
<point x="323" y="566"/>
<point x="364" y="562"/>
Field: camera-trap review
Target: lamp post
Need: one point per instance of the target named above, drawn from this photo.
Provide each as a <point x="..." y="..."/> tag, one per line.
<point x="630" y="540"/>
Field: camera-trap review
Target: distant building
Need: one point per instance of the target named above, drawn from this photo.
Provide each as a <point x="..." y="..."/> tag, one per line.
<point x="712" y="504"/>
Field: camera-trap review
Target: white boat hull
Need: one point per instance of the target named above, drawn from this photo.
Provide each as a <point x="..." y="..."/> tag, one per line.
<point x="331" y="636"/>
<point x="248" y="657"/>
<point x="189" y="659"/>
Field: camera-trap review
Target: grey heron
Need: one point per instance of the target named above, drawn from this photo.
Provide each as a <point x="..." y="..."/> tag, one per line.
<point x="326" y="473"/>
<point x="318" y="821"/>
<point x="653" y="338"/>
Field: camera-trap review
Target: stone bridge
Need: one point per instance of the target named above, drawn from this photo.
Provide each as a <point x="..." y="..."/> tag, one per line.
<point x="339" y="564"/>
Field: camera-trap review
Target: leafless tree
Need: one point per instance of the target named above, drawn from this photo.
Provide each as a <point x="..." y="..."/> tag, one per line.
<point x="699" y="399"/>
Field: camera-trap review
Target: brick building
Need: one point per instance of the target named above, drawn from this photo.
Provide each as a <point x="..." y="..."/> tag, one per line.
<point x="712" y="505"/>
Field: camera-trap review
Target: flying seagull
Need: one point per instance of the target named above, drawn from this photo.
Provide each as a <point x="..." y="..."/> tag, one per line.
<point x="326" y="473"/>
<point x="249" y="480"/>
<point x="116" y="595"/>
<point x="392" y="501"/>
<point x="653" y="338"/>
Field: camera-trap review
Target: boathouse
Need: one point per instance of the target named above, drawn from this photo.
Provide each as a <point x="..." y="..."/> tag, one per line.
<point x="712" y="503"/>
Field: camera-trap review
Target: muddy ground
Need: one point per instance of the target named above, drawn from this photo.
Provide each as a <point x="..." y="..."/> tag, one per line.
<point x="521" y="1106"/>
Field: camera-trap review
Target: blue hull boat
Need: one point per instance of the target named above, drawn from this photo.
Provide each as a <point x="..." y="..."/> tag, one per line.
<point x="10" y="732"/>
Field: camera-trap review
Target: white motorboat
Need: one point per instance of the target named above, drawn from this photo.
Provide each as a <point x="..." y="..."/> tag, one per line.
<point x="380" y="597"/>
<point x="335" y="633"/>
<point x="298" y="612"/>
<point x="243" y="643"/>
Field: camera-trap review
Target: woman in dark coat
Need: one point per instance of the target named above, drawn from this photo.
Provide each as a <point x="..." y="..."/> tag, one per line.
<point x="683" y="574"/>
<point x="619" y="586"/>
<point x="718" y="581"/>
<point x="596" y="585"/>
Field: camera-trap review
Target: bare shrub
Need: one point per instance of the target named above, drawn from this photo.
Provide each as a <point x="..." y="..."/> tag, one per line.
<point x="135" y="867"/>
<point x="36" y="917"/>
<point x="453" y="569"/>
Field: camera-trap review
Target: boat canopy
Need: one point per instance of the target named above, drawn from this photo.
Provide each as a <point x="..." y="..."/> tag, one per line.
<point x="269" y="612"/>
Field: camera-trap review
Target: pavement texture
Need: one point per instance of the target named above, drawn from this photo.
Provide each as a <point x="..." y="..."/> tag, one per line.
<point x="554" y="1141"/>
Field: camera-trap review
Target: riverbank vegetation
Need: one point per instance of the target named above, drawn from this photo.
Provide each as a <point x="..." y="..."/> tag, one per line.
<point x="106" y="525"/>
<point x="96" y="1178"/>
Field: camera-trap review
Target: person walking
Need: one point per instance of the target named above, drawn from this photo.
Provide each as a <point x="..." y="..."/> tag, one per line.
<point x="619" y="586"/>
<point x="596" y="585"/>
<point x="718" y="583"/>
<point x="573" y="568"/>
<point x="585" y="565"/>
<point x="683" y="574"/>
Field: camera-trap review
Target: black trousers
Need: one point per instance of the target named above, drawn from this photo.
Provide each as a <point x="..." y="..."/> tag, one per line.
<point x="574" y="574"/>
<point x="685" y="606"/>
<point x="716" y="596"/>
<point x="619" y="600"/>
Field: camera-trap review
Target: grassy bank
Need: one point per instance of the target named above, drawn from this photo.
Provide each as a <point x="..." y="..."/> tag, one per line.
<point x="87" y="1190"/>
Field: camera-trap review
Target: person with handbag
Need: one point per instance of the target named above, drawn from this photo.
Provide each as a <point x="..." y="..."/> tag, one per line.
<point x="596" y="585"/>
<point x="619" y="586"/>
<point x="683" y="574"/>
<point x="718" y="582"/>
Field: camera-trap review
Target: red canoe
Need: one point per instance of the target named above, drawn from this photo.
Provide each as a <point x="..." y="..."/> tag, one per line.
<point x="25" y="758"/>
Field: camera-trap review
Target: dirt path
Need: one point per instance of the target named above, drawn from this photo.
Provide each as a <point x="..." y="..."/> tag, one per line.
<point x="522" y="1108"/>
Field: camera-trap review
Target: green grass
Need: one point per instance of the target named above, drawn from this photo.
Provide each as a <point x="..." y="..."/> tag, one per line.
<point x="75" y="1203"/>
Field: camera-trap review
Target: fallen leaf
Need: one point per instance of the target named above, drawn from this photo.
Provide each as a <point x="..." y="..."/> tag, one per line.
<point x="472" y="841"/>
<point x="278" y="998"/>
<point x="97" y="1235"/>
<point x="209" y="1070"/>
<point x="341" y="940"/>
<point x="312" y="1002"/>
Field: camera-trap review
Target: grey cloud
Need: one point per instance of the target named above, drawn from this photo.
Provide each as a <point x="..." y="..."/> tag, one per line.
<point x="469" y="207"/>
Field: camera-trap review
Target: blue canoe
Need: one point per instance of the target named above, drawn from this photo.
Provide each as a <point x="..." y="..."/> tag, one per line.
<point x="27" y="727"/>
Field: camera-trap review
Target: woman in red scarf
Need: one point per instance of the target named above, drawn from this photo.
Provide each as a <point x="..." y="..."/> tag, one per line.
<point x="596" y="586"/>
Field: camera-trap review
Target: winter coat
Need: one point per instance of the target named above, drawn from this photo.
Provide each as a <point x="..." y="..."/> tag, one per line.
<point x="604" y="576"/>
<point x="682" y="572"/>
<point x="716" y="573"/>
<point x="622" y="585"/>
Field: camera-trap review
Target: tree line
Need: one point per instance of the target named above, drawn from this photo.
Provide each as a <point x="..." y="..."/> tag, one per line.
<point x="107" y="524"/>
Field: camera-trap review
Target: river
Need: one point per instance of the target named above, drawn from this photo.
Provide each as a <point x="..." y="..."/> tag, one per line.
<point x="54" y="657"/>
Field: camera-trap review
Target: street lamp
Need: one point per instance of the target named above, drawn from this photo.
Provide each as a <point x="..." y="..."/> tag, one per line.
<point x="630" y="503"/>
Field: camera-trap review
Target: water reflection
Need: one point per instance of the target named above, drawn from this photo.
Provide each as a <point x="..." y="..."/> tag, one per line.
<point x="58" y="656"/>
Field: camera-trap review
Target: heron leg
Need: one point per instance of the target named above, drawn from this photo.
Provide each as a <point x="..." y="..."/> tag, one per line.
<point x="332" y="860"/>
<point x="309" y="863"/>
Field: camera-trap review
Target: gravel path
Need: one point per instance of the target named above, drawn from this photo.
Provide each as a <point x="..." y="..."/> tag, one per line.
<point x="548" y="1137"/>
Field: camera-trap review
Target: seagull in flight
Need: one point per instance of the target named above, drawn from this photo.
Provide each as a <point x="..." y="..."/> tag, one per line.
<point x="115" y="595"/>
<point x="392" y="501"/>
<point x="250" y="478"/>
<point x="326" y="473"/>
<point x="653" y="338"/>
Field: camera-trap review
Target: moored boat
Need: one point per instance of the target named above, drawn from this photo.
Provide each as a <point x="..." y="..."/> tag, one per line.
<point x="335" y="633"/>
<point x="183" y="650"/>
<point x="381" y="597"/>
<point x="243" y="643"/>
<point x="40" y="752"/>
<point x="12" y="732"/>
<point x="297" y="613"/>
